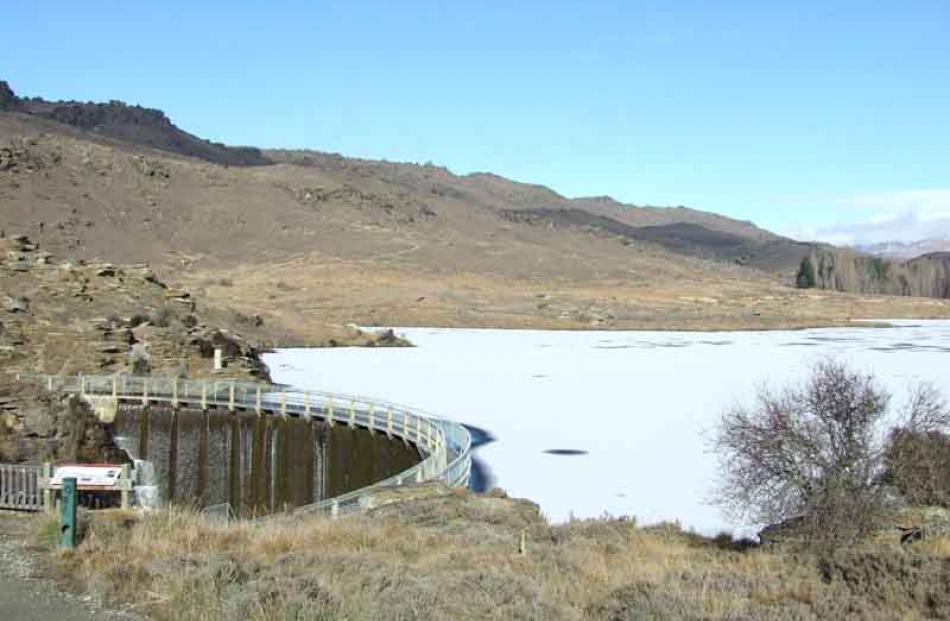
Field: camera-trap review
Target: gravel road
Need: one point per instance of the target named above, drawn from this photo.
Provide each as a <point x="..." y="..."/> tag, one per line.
<point x="26" y="595"/>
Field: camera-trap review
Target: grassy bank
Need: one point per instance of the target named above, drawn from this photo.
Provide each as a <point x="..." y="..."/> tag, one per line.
<point x="456" y="556"/>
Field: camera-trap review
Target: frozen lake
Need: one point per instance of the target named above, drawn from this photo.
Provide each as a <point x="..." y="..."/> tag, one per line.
<point x="637" y="407"/>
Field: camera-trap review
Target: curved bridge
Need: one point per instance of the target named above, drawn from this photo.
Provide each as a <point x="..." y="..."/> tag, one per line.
<point x="445" y="446"/>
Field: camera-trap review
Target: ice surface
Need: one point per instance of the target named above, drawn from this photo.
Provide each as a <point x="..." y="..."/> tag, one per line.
<point x="641" y="404"/>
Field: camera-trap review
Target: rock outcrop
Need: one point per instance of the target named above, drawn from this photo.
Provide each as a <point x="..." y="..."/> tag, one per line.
<point x="67" y="318"/>
<point x="135" y="124"/>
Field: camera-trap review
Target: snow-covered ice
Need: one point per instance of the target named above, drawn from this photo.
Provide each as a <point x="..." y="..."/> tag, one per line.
<point x="641" y="404"/>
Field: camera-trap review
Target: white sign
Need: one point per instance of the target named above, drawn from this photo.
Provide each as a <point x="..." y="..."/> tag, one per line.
<point x="87" y="476"/>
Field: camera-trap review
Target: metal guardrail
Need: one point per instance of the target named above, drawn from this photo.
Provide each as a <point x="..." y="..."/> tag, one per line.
<point x="445" y="445"/>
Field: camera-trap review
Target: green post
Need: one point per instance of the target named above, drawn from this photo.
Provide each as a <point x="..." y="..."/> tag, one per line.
<point x="67" y="524"/>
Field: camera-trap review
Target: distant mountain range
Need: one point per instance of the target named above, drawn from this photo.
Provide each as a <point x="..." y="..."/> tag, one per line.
<point x="905" y="250"/>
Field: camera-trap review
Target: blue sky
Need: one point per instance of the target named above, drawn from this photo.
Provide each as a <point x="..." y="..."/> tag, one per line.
<point x="817" y="119"/>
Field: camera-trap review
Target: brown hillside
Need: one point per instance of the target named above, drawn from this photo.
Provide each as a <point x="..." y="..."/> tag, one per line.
<point x="317" y="239"/>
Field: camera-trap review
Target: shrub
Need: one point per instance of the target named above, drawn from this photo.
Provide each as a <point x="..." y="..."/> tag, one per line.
<point x="918" y="452"/>
<point x="918" y="466"/>
<point x="808" y="454"/>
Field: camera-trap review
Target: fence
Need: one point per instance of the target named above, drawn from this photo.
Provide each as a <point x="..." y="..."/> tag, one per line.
<point x="444" y="445"/>
<point x="20" y="487"/>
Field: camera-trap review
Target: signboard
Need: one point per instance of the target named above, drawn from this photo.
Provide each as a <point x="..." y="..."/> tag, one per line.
<point x="102" y="476"/>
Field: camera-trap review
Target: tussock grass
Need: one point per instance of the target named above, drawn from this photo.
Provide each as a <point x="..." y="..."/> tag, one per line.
<point x="458" y="557"/>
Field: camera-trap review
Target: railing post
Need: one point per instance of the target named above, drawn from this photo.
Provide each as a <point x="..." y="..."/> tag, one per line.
<point x="231" y="398"/>
<point x="145" y="391"/>
<point x="330" y="420"/>
<point x="306" y="405"/>
<point x="82" y="385"/>
<point x="204" y="396"/>
<point x="283" y="403"/>
<point x="372" y="420"/>
<point x="389" y="423"/>
<point x="257" y="402"/>
<point x="352" y="422"/>
<point x="334" y="509"/>
<point x="49" y="383"/>
<point x="175" y="392"/>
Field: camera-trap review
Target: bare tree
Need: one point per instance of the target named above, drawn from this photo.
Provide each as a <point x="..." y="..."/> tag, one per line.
<point x="926" y="410"/>
<point x="811" y="453"/>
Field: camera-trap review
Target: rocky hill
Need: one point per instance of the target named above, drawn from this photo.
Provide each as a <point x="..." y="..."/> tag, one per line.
<point x="405" y="192"/>
<point x="131" y="124"/>
<point x="311" y="241"/>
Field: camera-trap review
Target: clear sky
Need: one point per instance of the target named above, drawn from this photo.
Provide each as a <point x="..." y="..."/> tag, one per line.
<point x="818" y="119"/>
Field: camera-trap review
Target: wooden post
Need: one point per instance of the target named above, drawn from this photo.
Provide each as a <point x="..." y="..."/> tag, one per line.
<point x="175" y="393"/>
<point x="274" y="465"/>
<point x="145" y="392"/>
<point x="115" y="387"/>
<point x="257" y="401"/>
<point x="283" y="403"/>
<point x="231" y="398"/>
<point x="330" y="420"/>
<point x="352" y="422"/>
<point x="126" y="486"/>
<point x="372" y="420"/>
<point x="47" y="492"/>
<point x="389" y="423"/>
<point x="204" y="396"/>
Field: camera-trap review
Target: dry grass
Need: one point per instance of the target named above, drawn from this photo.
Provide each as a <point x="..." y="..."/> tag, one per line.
<point x="457" y="557"/>
<point x="329" y="293"/>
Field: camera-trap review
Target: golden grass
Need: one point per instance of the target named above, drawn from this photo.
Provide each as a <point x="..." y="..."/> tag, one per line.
<point x="457" y="557"/>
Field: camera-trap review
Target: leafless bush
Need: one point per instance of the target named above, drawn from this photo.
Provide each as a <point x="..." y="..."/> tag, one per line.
<point x="918" y="452"/>
<point x="812" y="454"/>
